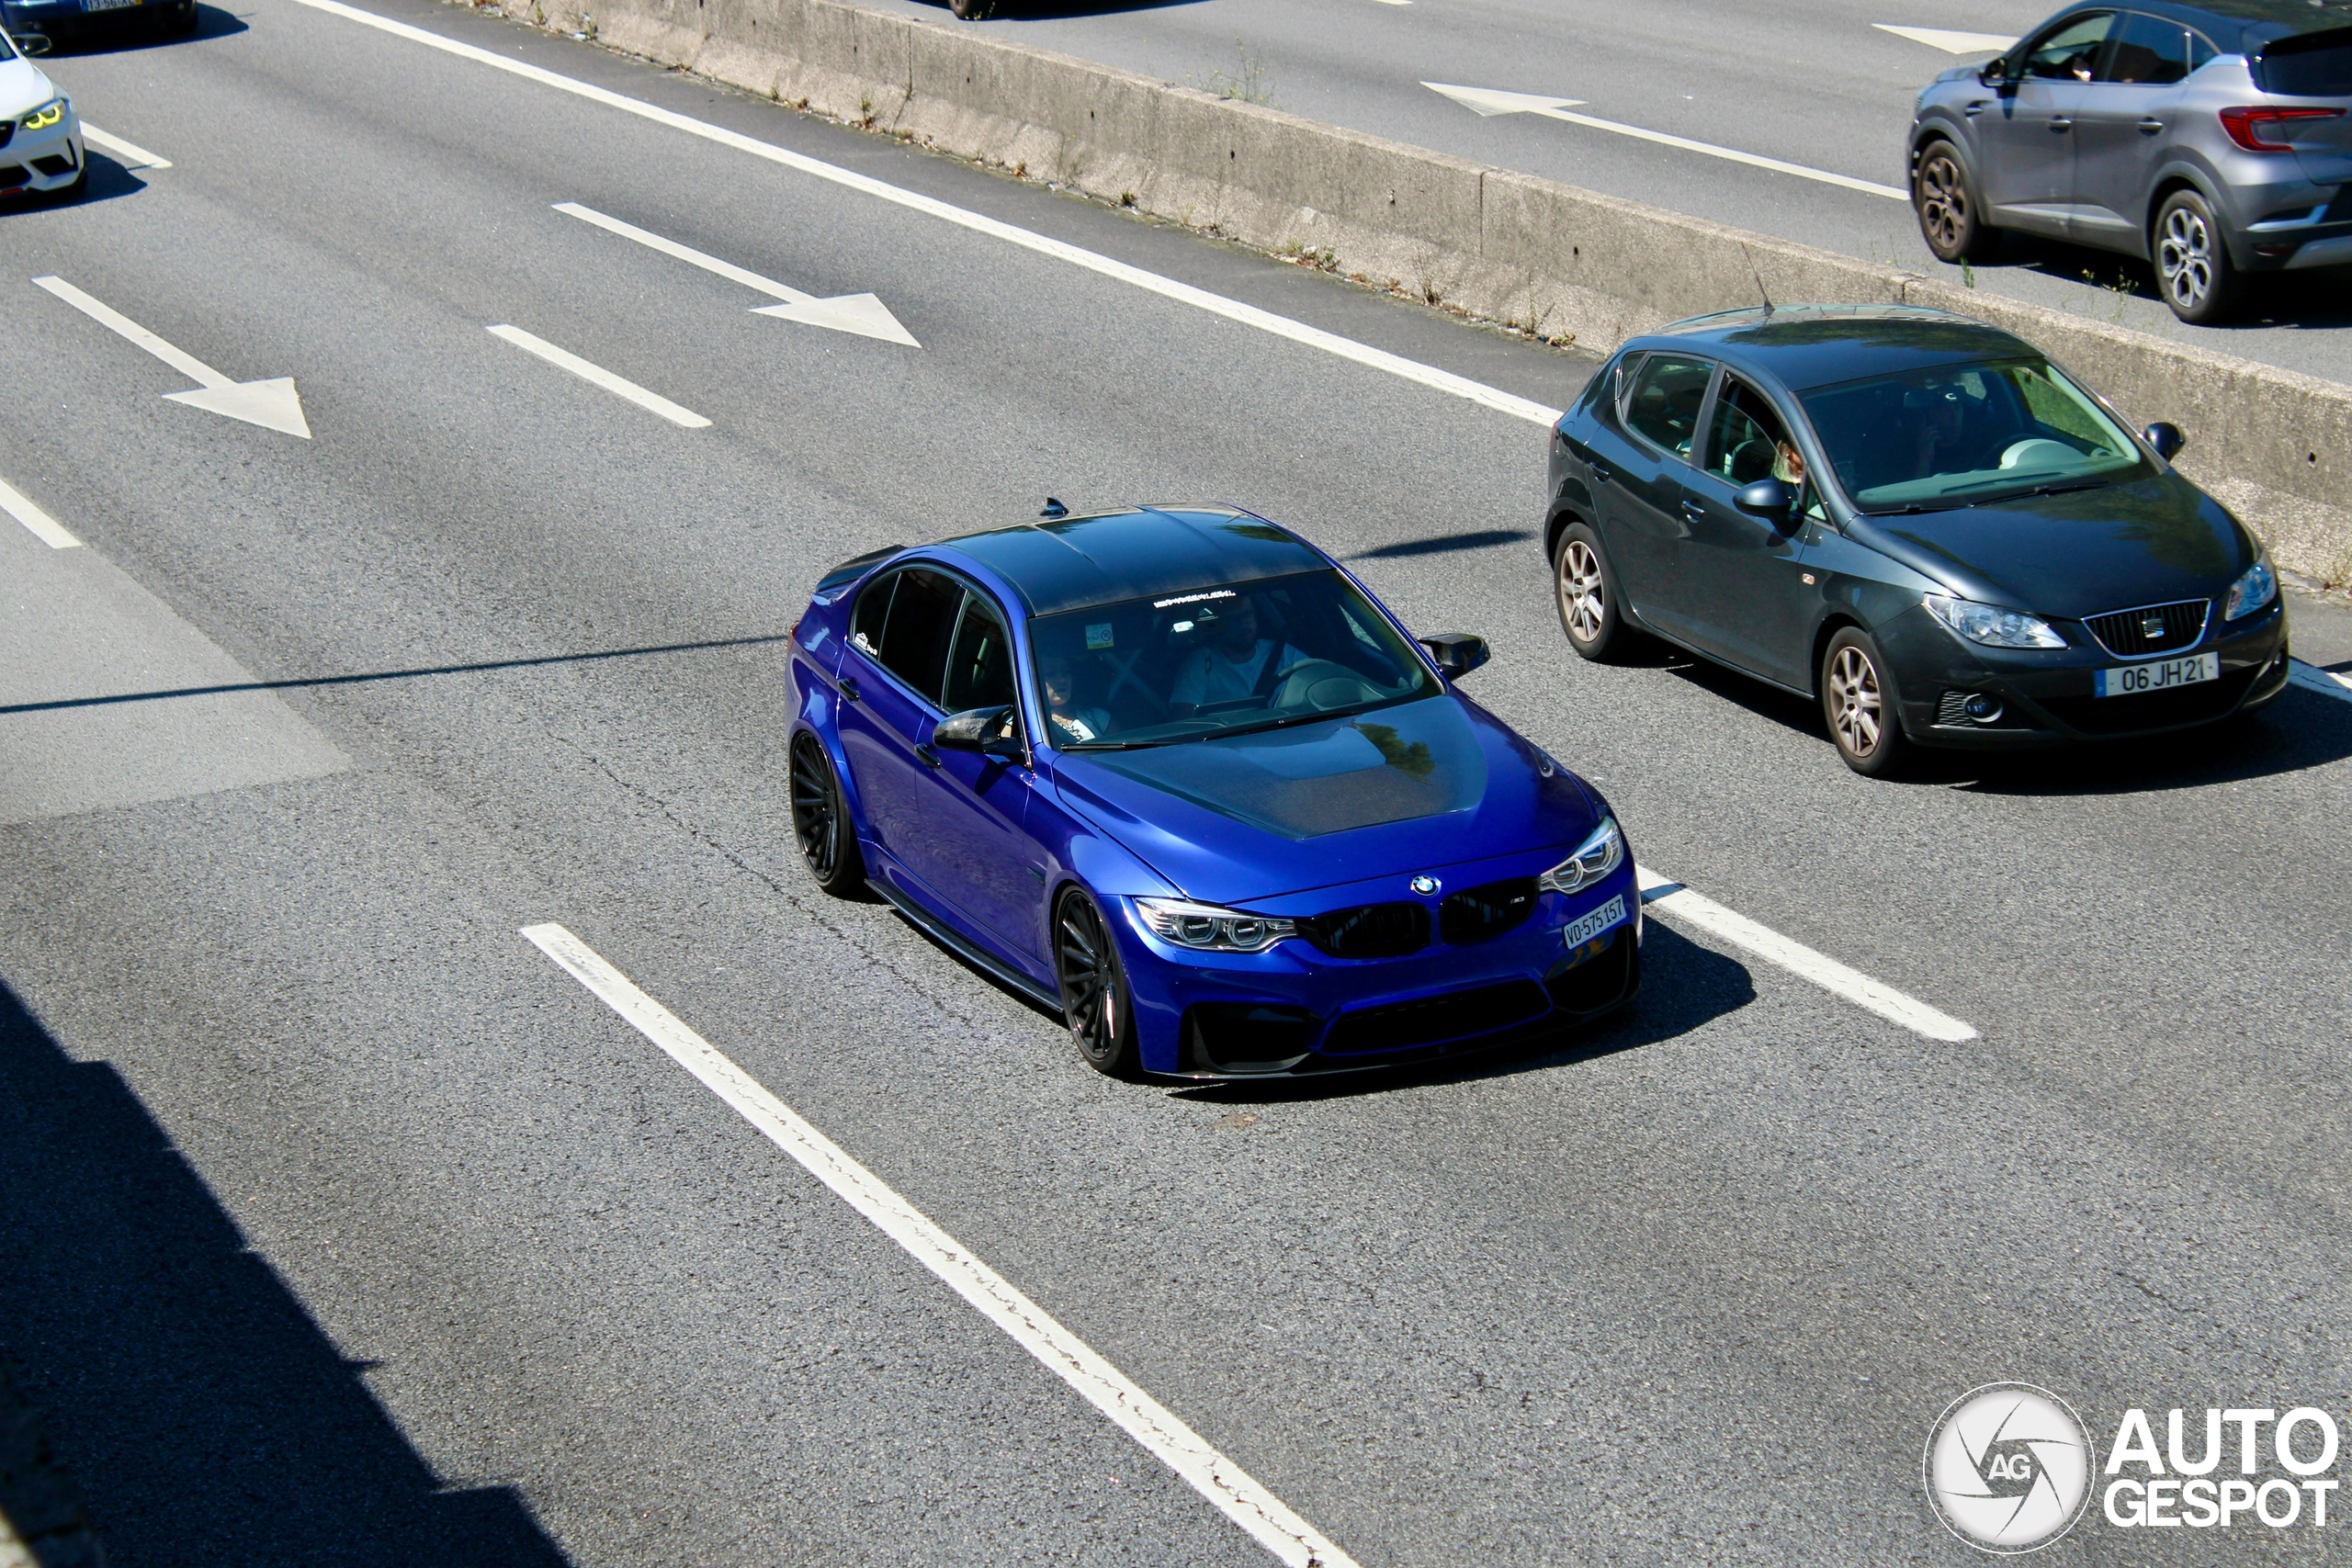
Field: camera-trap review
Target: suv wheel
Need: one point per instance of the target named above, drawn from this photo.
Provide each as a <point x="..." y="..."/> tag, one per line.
<point x="1945" y="200"/>
<point x="2192" y="261"/>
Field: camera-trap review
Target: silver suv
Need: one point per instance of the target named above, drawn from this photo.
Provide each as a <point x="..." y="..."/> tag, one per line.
<point x="2211" y="140"/>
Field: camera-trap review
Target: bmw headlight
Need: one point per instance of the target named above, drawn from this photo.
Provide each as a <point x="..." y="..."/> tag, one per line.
<point x="1600" y="855"/>
<point x="1211" y="928"/>
<point x="41" y="118"/>
<point x="1992" y="625"/>
<point x="2251" y="592"/>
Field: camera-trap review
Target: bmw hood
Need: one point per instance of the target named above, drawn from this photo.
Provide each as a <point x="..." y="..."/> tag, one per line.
<point x="23" y="87"/>
<point x="2080" y="553"/>
<point x="1395" y="790"/>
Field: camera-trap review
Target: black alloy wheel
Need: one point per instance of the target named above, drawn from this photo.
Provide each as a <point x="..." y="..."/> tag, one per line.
<point x="1858" y="701"/>
<point x="1949" y="219"/>
<point x="1094" y="987"/>
<point x="1585" y="593"/>
<point x="828" y="842"/>
<point x="2193" y="261"/>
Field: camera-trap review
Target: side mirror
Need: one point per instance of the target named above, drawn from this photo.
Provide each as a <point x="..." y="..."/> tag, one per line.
<point x="1769" y="499"/>
<point x="30" y="44"/>
<point x="992" y="732"/>
<point x="1457" y="653"/>
<point x="2166" y="438"/>
<point x="1993" y="73"/>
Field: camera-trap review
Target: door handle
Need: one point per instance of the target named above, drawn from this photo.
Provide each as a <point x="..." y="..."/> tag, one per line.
<point x="848" y="689"/>
<point x="1600" y="475"/>
<point x="2060" y="122"/>
<point x="929" y="758"/>
<point x="2150" y="126"/>
<point x="1695" y="511"/>
<point x="1972" y="110"/>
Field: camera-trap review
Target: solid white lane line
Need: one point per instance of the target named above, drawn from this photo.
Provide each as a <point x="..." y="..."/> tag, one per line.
<point x="115" y="321"/>
<point x="1167" y="287"/>
<point x="1663" y="894"/>
<point x="47" y="529"/>
<point x="1950" y="42"/>
<point x="596" y="375"/>
<point x="130" y="152"/>
<point x="2326" y="681"/>
<point x="1490" y="102"/>
<point x="1291" y="1538"/>
<point x="860" y="313"/>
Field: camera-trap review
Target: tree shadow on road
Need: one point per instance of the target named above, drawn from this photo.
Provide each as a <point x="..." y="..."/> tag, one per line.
<point x="207" y="1418"/>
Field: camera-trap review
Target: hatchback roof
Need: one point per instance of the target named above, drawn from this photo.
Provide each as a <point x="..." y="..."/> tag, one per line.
<point x="1067" y="563"/>
<point x="1812" y="345"/>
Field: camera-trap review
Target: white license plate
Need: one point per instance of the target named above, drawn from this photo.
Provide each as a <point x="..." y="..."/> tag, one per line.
<point x="2161" y="675"/>
<point x="1585" y="927"/>
<point x="107" y="4"/>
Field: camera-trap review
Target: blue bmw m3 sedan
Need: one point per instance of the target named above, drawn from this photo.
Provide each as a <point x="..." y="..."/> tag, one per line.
<point x="1175" y="774"/>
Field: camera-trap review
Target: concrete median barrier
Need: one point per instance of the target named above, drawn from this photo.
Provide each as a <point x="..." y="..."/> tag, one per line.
<point x="2274" y="445"/>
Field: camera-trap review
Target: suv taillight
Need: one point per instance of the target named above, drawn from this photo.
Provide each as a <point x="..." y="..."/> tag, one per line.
<point x="2246" y="126"/>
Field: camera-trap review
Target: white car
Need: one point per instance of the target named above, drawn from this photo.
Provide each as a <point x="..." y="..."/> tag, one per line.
<point x="40" y="136"/>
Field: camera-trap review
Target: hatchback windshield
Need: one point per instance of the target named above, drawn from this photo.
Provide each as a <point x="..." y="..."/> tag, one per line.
<point x="1961" y="436"/>
<point x="1215" y="660"/>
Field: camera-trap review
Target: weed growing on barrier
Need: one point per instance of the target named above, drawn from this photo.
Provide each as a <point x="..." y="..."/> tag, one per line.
<point x="1251" y="83"/>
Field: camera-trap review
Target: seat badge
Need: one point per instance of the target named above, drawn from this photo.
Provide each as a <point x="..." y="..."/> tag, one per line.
<point x="2152" y="625"/>
<point x="1426" y="885"/>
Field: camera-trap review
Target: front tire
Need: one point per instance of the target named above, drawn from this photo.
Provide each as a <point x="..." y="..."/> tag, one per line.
<point x="820" y="820"/>
<point x="1584" y="590"/>
<point x="2193" y="265"/>
<point x="1944" y="200"/>
<point x="1096" y="1004"/>
<point x="1859" y="702"/>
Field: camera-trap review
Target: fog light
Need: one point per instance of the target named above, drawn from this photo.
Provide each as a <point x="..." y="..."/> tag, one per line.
<point x="1983" y="708"/>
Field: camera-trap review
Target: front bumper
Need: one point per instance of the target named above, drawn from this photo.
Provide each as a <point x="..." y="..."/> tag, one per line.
<point x="2046" y="697"/>
<point x="1295" y="1011"/>
<point x="42" y="161"/>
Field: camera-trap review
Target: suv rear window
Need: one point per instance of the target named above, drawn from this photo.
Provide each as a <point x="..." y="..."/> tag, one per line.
<point x="2316" y="65"/>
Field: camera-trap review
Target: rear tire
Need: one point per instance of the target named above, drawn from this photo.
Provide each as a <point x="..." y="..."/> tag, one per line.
<point x="2193" y="265"/>
<point x="820" y="820"/>
<point x="1858" y="701"/>
<point x="1096" y="1004"/>
<point x="1584" y="590"/>
<point x="1944" y="200"/>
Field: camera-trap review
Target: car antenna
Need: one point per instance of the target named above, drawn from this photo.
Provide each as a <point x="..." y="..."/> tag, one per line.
<point x="1054" y="508"/>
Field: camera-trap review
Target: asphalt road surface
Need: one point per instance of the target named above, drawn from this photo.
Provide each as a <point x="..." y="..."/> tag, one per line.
<point x="1819" y="83"/>
<point x="342" y="1226"/>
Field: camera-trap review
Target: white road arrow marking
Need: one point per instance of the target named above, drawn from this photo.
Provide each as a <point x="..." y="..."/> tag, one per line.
<point x="1949" y="41"/>
<point x="271" y="404"/>
<point x="130" y="152"/>
<point x="597" y="376"/>
<point x="1487" y="101"/>
<point x="860" y="313"/>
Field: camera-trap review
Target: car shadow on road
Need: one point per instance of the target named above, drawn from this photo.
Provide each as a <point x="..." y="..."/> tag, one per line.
<point x="1684" y="986"/>
<point x="2315" y="299"/>
<point x="107" y="180"/>
<point x="207" y="1416"/>
<point x="210" y="22"/>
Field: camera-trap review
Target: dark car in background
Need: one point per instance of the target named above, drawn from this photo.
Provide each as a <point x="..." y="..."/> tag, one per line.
<point x="1915" y="519"/>
<point x="2211" y="140"/>
<point x="75" y="20"/>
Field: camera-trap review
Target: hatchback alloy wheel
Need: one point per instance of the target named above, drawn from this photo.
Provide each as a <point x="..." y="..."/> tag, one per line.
<point x="1581" y="605"/>
<point x="1860" y="704"/>
<point x="1094" y="991"/>
<point x="1586" y="596"/>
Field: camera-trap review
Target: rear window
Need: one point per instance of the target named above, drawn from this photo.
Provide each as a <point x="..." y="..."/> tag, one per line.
<point x="2317" y="65"/>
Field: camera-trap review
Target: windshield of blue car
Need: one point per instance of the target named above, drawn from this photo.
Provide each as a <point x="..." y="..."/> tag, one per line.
<point x="1218" y="660"/>
<point x="1962" y="435"/>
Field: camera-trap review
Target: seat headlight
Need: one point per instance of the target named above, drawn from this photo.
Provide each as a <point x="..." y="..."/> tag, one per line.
<point x="1600" y="855"/>
<point x="1992" y="625"/>
<point x="1210" y="929"/>
<point x="2251" y="592"/>
<point x="41" y="118"/>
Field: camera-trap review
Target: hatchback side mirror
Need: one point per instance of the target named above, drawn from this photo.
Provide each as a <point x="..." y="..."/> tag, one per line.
<point x="1456" y="653"/>
<point x="1769" y="499"/>
<point x="30" y="44"/>
<point x="2166" y="438"/>
<point x="992" y="732"/>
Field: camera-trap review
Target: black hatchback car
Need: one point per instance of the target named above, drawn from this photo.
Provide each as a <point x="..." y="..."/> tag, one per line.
<point x="1915" y="519"/>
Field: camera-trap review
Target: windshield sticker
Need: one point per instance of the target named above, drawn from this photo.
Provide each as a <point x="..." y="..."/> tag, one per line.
<point x="1098" y="634"/>
<point x="1193" y="598"/>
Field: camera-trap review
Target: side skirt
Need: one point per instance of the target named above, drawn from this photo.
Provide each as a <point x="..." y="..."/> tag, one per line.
<point x="942" y="933"/>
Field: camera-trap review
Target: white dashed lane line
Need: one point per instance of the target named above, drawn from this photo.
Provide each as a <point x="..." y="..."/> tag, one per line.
<point x="130" y="152"/>
<point x="47" y="529"/>
<point x="1269" y="1522"/>
<point x="597" y="376"/>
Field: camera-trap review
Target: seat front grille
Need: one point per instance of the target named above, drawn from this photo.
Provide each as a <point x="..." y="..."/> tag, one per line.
<point x="2152" y="628"/>
<point x="1370" y="930"/>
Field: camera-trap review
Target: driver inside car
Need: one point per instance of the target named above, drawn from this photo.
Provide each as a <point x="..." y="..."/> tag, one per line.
<point x="1233" y="666"/>
<point x="1071" y="722"/>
